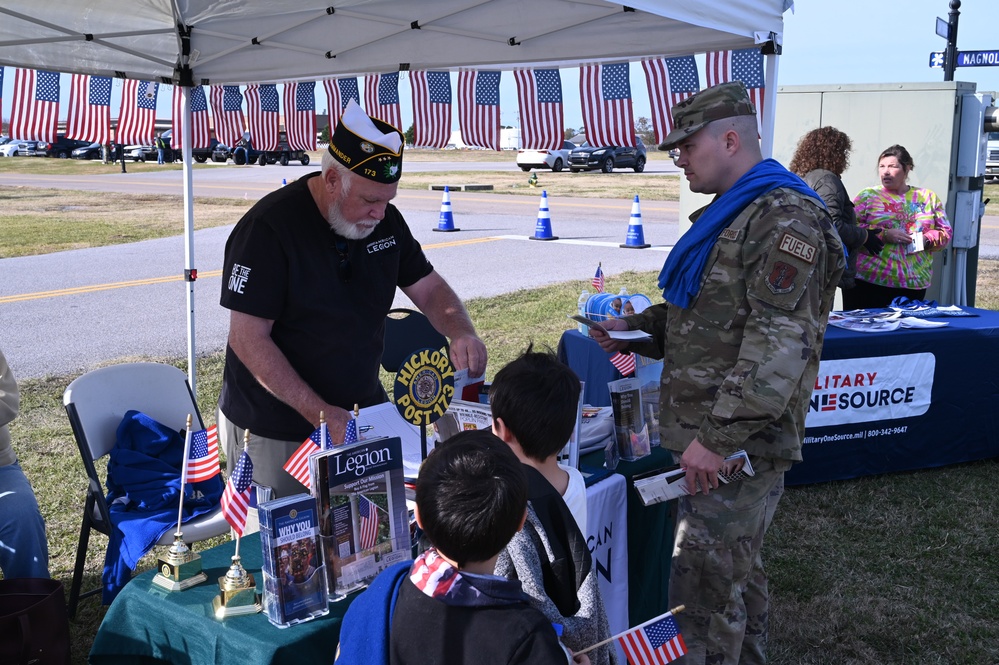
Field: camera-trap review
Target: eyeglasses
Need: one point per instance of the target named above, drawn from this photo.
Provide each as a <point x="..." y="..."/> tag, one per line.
<point x="343" y="267"/>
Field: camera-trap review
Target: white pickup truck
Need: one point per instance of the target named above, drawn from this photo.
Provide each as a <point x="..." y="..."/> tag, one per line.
<point x="992" y="157"/>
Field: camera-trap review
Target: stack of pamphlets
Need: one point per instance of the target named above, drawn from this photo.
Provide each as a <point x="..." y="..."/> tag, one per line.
<point x="669" y="483"/>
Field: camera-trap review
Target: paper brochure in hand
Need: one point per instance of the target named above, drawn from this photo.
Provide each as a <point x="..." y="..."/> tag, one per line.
<point x="627" y="335"/>
<point x="667" y="484"/>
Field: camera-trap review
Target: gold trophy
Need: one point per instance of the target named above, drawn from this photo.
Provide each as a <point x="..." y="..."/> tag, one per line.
<point x="180" y="568"/>
<point x="237" y="588"/>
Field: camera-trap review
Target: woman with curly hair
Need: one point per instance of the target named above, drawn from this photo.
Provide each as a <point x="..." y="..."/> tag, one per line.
<point x="913" y="224"/>
<point x="820" y="160"/>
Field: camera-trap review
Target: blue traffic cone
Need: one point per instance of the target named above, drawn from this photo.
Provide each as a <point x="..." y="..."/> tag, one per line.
<point x="445" y="222"/>
<point x="284" y="181"/>
<point x="543" y="229"/>
<point x="636" y="237"/>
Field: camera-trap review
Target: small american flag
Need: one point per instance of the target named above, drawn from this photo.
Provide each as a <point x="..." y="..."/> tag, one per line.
<point x="227" y="109"/>
<point x="350" y="433"/>
<point x="137" y="118"/>
<point x="89" y="117"/>
<point x="338" y="93"/>
<point x="200" y="133"/>
<point x="542" y="119"/>
<point x="605" y="91"/>
<point x="381" y="98"/>
<point x="203" y="459"/>
<point x="367" y="513"/>
<point x="744" y="65"/>
<point x="624" y="362"/>
<point x="671" y="80"/>
<point x="236" y="497"/>
<point x="298" y="464"/>
<point x="300" y="115"/>
<point x="262" y="109"/>
<point x="35" y="110"/>
<point x="479" y="108"/>
<point x="655" y="644"/>
<point x="598" y="279"/>
<point x="431" y="108"/>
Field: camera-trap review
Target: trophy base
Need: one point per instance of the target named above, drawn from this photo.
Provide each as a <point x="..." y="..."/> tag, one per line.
<point x="172" y="585"/>
<point x="224" y="611"/>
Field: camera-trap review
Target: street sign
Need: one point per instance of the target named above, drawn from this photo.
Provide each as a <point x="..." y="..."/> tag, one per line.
<point x="978" y="59"/>
<point x="936" y="59"/>
<point x="943" y="28"/>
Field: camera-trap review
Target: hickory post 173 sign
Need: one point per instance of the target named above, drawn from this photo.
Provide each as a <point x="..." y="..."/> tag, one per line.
<point x="424" y="387"/>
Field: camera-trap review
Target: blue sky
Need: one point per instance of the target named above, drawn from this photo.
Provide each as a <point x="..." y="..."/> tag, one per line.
<point x="825" y="42"/>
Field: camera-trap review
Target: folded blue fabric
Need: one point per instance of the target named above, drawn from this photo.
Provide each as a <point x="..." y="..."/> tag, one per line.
<point x="143" y="483"/>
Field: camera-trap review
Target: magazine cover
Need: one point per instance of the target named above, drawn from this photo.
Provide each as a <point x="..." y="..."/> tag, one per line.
<point x="363" y="517"/>
<point x="294" y="576"/>
<point x="631" y="432"/>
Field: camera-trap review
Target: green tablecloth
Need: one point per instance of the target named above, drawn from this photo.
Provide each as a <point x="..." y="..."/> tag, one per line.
<point x="146" y="624"/>
<point x="650" y="539"/>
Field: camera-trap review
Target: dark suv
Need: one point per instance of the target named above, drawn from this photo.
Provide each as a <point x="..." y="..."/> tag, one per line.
<point x="608" y="157"/>
<point x="245" y="153"/>
<point x="62" y="148"/>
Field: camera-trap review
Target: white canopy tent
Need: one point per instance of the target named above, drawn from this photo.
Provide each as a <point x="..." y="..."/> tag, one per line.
<point x="191" y="42"/>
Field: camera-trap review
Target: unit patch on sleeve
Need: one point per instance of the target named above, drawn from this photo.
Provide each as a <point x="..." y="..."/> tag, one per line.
<point x="784" y="276"/>
<point x="797" y="247"/>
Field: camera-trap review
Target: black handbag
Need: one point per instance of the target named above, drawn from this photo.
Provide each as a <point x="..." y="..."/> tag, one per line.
<point x="34" y="627"/>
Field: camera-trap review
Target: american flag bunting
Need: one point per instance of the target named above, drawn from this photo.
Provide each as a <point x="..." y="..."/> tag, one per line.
<point x="605" y="91"/>
<point x="479" y="108"/>
<point x="598" y="279"/>
<point x="367" y="513"/>
<point x="236" y="497"/>
<point x="624" y="362"/>
<point x="200" y="133"/>
<point x="542" y="118"/>
<point x="89" y="117"/>
<point x="381" y="98"/>
<point x="300" y="115"/>
<point x="137" y="118"/>
<point x="227" y="111"/>
<point x="338" y="93"/>
<point x="35" y="111"/>
<point x="657" y="643"/>
<point x="203" y="458"/>
<point x="431" y="108"/>
<point x="744" y="65"/>
<point x="262" y="115"/>
<point x="670" y="80"/>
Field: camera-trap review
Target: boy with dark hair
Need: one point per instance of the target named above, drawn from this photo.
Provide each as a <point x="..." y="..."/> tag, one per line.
<point x="534" y="402"/>
<point x="448" y="607"/>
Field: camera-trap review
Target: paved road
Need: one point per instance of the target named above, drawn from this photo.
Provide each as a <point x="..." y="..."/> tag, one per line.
<point x="69" y="311"/>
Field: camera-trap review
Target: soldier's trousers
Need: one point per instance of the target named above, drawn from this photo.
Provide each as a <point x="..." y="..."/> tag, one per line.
<point x="717" y="570"/>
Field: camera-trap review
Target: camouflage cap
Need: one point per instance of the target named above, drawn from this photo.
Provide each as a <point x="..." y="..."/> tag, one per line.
<point x="725" y="100"/>
<point x="367" y="146"/>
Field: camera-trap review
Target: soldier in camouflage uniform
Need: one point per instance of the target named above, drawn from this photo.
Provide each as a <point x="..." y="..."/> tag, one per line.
<point x="748" y="289"/>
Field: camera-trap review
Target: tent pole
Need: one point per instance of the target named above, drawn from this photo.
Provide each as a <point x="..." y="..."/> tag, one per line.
<point x="190" y="274"/>
<point x="769" y="105"/>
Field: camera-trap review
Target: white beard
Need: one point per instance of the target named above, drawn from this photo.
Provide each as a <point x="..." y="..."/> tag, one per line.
<point x="348" y="229"/>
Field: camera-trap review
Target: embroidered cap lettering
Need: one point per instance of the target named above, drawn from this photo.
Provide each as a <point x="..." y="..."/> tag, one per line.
<point x="797" y="247"/>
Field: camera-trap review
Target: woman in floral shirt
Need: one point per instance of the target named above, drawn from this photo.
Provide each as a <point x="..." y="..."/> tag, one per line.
<point x="913" y="225"/>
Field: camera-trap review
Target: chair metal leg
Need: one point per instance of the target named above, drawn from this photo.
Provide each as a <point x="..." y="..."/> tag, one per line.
<point x="81" y="558"/>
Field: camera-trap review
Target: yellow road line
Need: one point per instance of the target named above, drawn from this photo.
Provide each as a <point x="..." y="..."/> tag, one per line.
<point x="94" y="288"/>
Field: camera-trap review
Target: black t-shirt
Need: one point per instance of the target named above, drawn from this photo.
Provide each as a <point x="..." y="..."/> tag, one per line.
<point x="282" y="264"/>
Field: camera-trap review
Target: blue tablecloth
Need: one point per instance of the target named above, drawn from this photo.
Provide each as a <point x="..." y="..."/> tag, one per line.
<point x="935" y="395"/>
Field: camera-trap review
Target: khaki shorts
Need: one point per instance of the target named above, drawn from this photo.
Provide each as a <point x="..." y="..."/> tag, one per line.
<point x="268" y="456"/>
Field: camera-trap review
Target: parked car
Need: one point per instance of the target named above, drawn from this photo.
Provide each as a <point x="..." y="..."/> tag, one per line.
<point x="16" y="148"/>
<point x="221" y="153"/>
<point x="202" y="155"/>
<point x="61" y="148"/>
<point x="91" y="151"/>
<point x="608" y="157"/>
<point x="992" y="156"/>
<point x="549" y="159"/>
<point x="245" y="153"/>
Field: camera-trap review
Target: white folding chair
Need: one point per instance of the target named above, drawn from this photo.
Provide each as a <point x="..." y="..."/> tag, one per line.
<point x="96" y="403"/>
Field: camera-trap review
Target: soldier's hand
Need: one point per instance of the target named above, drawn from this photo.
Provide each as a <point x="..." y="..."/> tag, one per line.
<point x="604" y="340"/>
<point x="702" y="466"/>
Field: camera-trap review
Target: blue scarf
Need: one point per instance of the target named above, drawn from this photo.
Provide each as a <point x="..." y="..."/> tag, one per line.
<point x="680" y="278"/>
